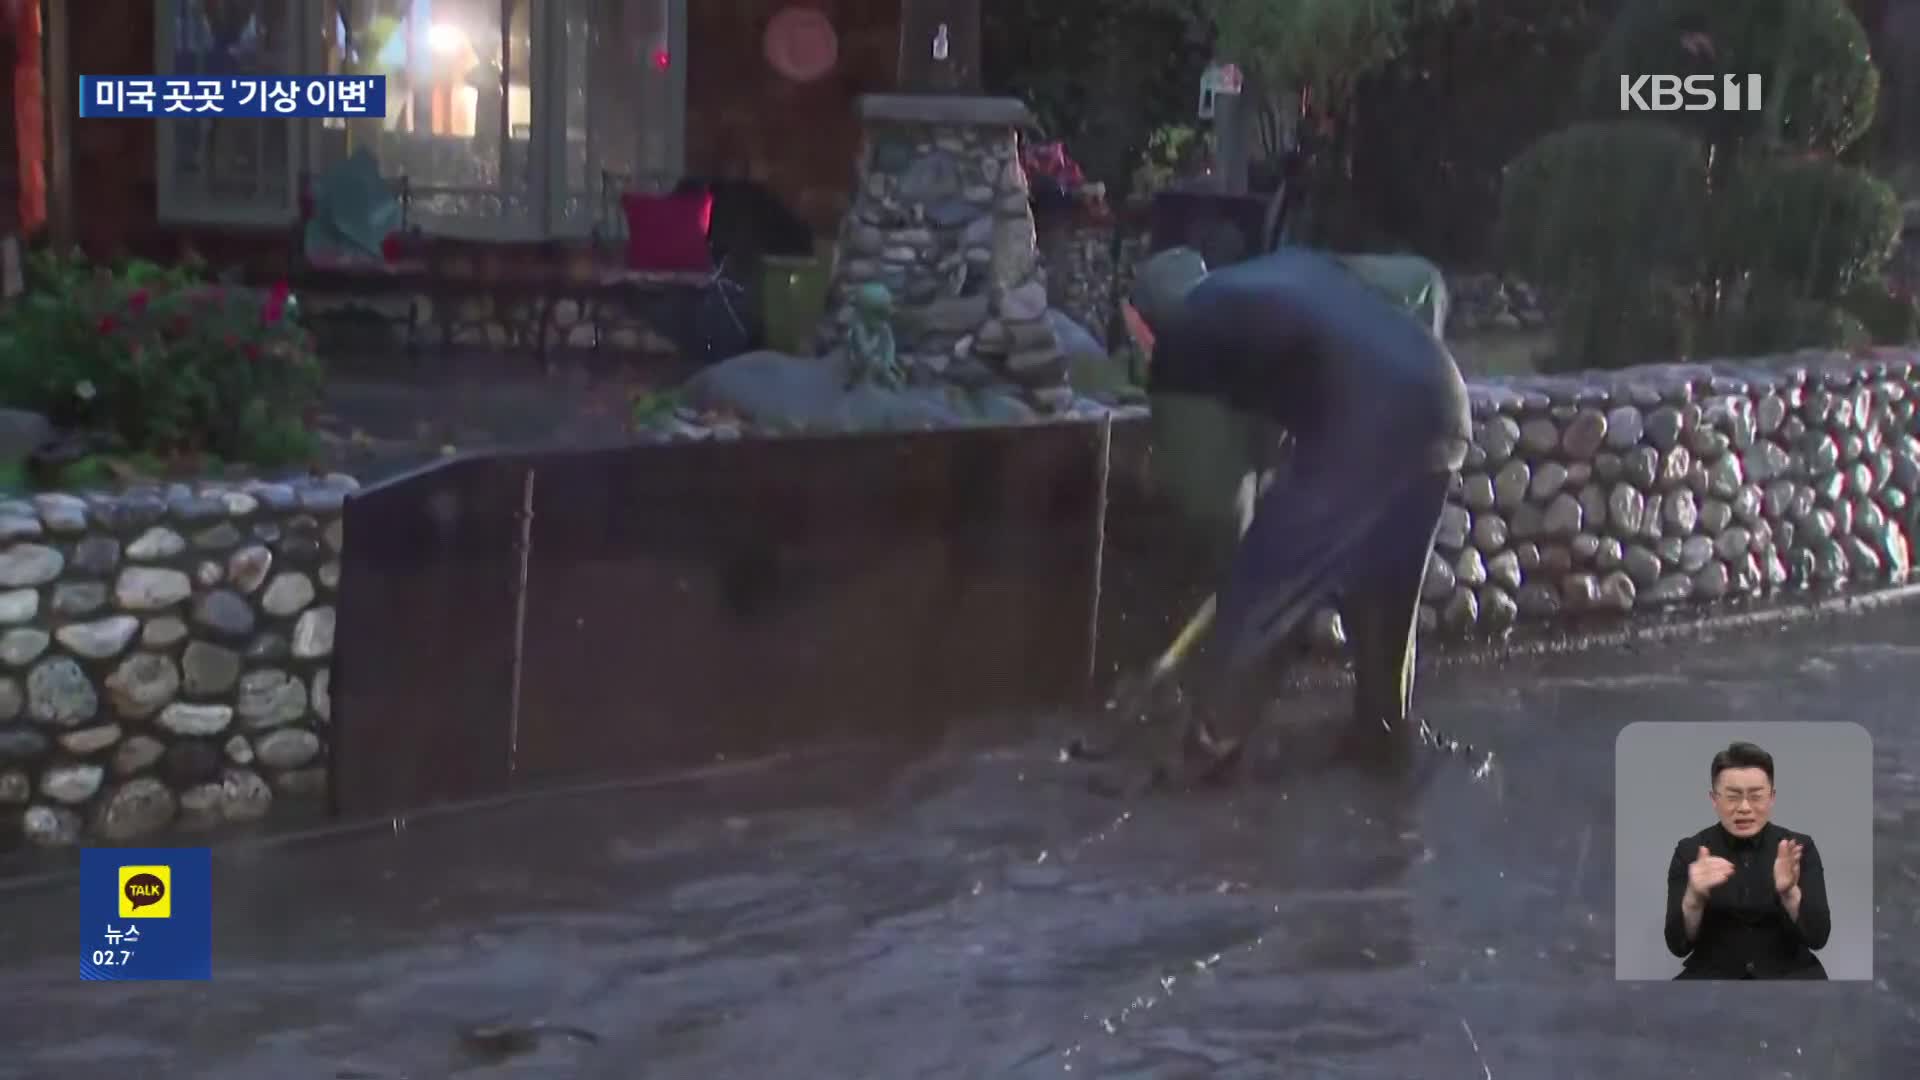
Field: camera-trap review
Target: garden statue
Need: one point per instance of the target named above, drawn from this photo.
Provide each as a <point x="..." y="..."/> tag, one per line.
<point x="871" y="356"/>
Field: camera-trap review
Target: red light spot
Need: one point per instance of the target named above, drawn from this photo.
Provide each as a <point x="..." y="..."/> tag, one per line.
<point x="662" y="59"/>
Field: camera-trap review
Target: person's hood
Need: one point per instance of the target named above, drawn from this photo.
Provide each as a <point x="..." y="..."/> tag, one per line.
<point x="1162" y="282"/>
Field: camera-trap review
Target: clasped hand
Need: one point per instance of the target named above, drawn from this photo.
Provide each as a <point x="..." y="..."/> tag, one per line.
<point x="1709" y="871"/>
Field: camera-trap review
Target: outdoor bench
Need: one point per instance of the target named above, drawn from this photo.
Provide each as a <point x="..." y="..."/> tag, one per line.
<point x="524" y="281"/>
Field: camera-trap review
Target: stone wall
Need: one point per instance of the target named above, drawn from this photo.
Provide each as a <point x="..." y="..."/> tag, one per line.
<point x="164" y="656"/>
<point x="1655" y="488"/>
<point x="476" y="322"/>
<point x="1483" y="301"/>
<point x="1077" y="254"/>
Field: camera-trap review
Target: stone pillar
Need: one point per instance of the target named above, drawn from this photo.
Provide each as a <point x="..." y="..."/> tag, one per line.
<point x="1076" y="250"/>
<point x="940" y="216"/>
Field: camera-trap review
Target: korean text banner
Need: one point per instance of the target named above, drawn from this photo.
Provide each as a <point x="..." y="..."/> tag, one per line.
<point x="165" y="96"/>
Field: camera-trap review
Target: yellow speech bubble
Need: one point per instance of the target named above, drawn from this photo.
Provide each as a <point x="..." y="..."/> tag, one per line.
<point x="146" y="892"/>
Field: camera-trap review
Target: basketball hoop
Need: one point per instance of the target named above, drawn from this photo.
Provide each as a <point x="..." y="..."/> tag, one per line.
<point x="801" y="44"/>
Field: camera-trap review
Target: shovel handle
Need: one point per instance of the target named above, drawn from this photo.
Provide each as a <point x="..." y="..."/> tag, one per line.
<point x="1183" y="644"/>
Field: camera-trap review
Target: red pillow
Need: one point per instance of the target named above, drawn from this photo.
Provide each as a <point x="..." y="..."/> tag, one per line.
<point x="668" y="232"/>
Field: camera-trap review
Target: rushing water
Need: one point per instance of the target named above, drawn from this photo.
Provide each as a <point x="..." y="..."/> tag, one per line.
<point x="982" y="913"/>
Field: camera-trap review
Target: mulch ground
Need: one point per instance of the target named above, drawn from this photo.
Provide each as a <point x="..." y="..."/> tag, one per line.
<point x="388" y="416"/>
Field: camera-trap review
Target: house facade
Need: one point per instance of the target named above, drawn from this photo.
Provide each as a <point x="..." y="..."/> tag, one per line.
<point x="511" y="119"/>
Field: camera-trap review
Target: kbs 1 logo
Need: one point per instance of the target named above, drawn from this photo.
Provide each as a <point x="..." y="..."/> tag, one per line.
<point x="1693" y="93"/>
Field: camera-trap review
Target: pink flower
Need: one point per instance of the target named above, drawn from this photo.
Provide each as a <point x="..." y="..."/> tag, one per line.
<point x="276" y="303"/>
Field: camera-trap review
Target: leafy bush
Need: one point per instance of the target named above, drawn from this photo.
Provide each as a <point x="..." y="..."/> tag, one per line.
<point x="1817" y="77"/>
<point x="1773" y="322"/>
<point x="1173" y="152"/>
<point x="1727" y="231"/>
<point x="161" y="361"/>
<point x="1594" y="203"/>
<point x="1811" y="227"/>
<point x="1889" y="314"/>
<point x="1102" y="102"/>
<point x="1621" y="324"/>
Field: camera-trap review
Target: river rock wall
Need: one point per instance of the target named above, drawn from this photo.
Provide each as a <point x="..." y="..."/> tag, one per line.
<point x="164" y="657"/>
<point x="1657" y="488"/>
<point x="165" y="654"/>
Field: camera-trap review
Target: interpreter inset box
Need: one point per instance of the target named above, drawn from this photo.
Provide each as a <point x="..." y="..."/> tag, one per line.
<point x="1743" y="851"/>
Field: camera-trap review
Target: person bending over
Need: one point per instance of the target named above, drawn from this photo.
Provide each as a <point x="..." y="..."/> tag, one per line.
<point x="1377" y="416"/>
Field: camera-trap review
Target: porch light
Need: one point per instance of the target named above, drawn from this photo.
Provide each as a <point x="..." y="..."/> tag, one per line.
<point x="446" y="39"/>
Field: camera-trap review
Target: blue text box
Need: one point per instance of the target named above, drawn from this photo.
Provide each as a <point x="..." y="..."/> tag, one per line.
<point x="146" y="913"/>
<point x="163" y="97"/>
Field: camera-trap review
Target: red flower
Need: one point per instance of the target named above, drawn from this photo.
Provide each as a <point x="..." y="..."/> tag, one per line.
<point x="251" y="351"/>
<point x="107" y="324"/>
<point x="276" y="303"/>
<point x="137" y="303"/>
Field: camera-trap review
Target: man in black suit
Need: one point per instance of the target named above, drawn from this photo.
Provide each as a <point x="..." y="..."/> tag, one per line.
<point x="1746" y="898"/>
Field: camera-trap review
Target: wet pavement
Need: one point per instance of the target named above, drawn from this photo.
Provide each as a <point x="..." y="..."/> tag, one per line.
<point x="978" y="912"/>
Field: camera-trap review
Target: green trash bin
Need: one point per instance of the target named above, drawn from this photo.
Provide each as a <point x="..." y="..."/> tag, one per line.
<point x="793" y="290"/>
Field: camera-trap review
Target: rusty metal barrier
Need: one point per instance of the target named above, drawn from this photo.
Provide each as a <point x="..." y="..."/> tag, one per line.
<point x="424" y="639"/>
<point x="526" y="619"/>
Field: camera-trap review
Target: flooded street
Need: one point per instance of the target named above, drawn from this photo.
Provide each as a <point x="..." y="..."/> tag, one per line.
<point x="981" y="913"/>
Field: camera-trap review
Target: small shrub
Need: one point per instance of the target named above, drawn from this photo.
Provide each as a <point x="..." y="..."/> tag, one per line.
<point x="1622" y="325"/>
<point x="1808" y="227"/>
<point x="1172" y="153"/>
<point x="159" y="360"/>
<point x="1596" y="202"/>
<point x="654" y="409"/>
<point x="1890" y="315"/>
<point x="88" y="472"/>
<point x="1610" y="216"/>
<point x="1772" y="323"/>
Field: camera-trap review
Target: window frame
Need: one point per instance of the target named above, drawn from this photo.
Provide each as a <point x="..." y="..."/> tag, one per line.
<point x="173" y="207"/>
<point x="548" y="190"/>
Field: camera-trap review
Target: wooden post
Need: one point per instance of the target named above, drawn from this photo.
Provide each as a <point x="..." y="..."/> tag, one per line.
<point x="1232" y="123"/>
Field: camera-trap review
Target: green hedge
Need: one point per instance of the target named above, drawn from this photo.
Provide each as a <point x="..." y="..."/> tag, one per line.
<point x="1818" y="78"/>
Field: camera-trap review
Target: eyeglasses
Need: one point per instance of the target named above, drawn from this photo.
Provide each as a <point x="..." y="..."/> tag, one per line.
<point x="1754" y="799"/>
